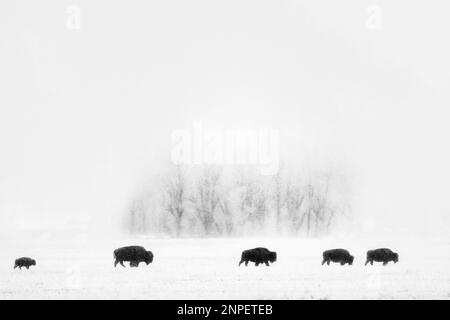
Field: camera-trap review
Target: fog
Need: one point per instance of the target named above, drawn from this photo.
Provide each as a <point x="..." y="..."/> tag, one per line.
<point x="87" y="114"/>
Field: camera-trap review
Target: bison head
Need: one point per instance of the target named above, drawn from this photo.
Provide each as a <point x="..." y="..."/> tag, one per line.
<point x="33" y="262"/>
<point x="395" y="257"/>
<point x="350" y="260"/>
<point x="272" y="256"/>
<point x="149" y="257"/>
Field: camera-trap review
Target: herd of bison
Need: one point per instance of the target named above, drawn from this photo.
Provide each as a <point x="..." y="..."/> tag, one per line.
<point x="137" y="254"/>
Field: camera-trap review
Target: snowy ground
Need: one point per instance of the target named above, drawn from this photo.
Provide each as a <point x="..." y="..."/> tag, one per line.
<point x="78" y="267"/>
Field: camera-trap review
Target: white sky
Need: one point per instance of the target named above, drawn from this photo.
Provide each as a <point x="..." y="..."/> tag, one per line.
<point x="85" y="113"/>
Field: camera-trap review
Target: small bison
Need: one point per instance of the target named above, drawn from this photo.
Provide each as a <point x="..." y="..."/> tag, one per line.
<point x="381" y="255"/>
<point x="132" y="254"/>
<point x="258" y="255"/>
<point x="337" y="255"/>
<point x="24" y="262"/>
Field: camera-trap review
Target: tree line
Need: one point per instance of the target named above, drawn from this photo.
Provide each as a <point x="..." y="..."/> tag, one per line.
<point x="219" y="201"/>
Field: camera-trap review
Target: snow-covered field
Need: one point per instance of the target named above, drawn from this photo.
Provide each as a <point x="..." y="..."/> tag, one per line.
<point x="80" y="267"/>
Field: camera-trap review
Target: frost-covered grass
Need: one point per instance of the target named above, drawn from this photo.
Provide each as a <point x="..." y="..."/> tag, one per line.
<point x="79" y="267"/>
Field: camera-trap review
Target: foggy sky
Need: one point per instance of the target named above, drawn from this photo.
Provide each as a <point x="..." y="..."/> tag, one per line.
<point x="86" y="114"/>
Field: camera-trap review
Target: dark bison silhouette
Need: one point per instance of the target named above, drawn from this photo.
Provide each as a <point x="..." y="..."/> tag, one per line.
<point x="337" y="255"/>
<point x="133" y="254"/>
<point x="258" y="255"/>
<point x="24" y="262"/>
<point x="381" y="255"/>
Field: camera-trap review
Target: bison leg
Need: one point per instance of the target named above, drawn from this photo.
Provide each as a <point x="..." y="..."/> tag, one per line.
<point x="267" y="263"/>
<point x="342" y="263"/>
<point x="328" y="262"/>
<point x="256" y="264"/>
<point x="28" y="267"/>
<point x="15" y="266"/>
<point x="324" y="261"/>
<point x="116" y="262"/>
<point x="121" y="263"/>
<point x="246" y="263"/>
<point x="385" y="263"/>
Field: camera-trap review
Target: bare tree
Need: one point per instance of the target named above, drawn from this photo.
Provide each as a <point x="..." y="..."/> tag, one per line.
<point x="310" y="192"/>
<point x="320" y="205"/>
<point x="176" y="196"/>
<point x="253" y="199"/>
<point x="138" y="221"/>
<point x="224" y="207"/>
<point x="205" y="199"/>
<point x="295" y="197"/>
<point x="279" y="198"/>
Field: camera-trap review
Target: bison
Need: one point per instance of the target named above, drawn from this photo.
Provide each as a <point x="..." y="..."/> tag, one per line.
<point x="24" y="262"/>
<point x="258" y="255"/>
<point x="381" y="255"/>
<point x="337" y="255"/>
<point x="132" y="254"/>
